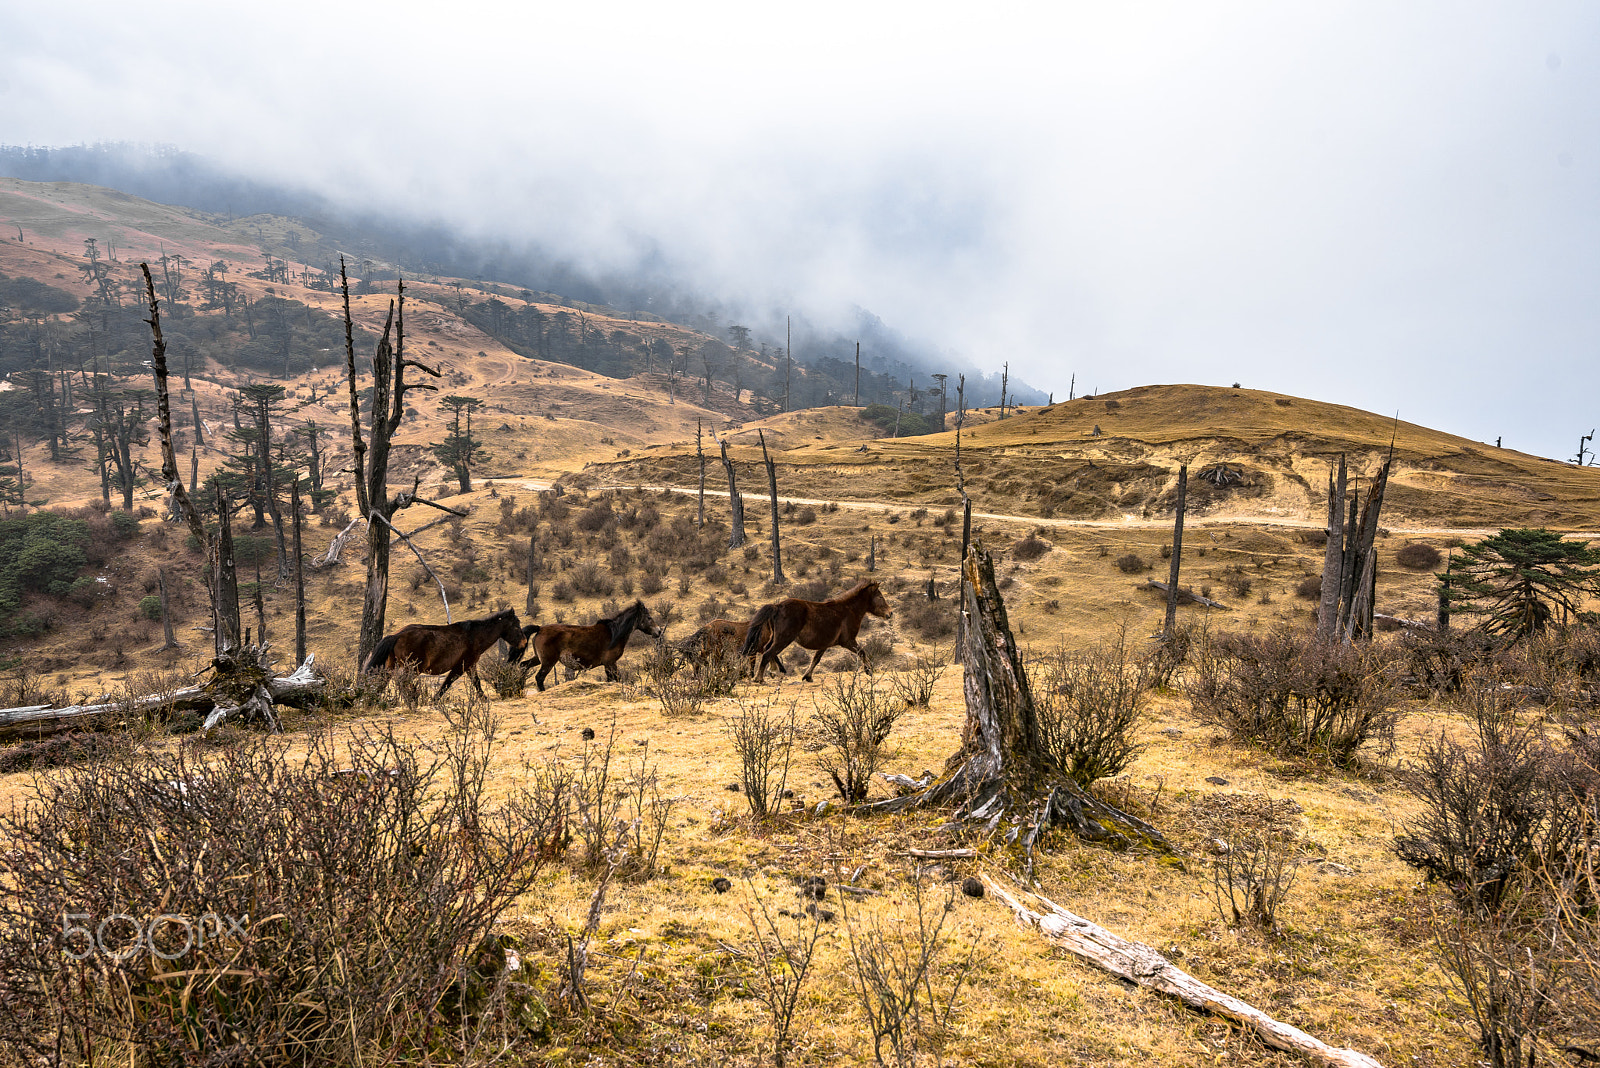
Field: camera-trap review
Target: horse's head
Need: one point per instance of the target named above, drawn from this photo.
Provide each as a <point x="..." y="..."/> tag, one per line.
<point x="877" y="603"/>
<point x="513" y="634"/>
<point x="645" y="621"/>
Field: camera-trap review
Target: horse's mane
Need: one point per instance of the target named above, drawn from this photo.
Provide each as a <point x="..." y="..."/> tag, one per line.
<point x="622" y="624"/>
<point x="857" y="588"/>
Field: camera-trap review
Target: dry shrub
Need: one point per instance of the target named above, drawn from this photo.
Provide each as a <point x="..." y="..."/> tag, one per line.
<point x="504" y="678"/>
<point x="621" y="825"/>
<point x="1438" y="661"/>
<point x="1089" y="708"/>
<point x="853" y="721"/>
<point x="588" y="579"/>
<point x="1130" y="563"/>
<point x="932" y="621"/>
<point x="252" y="906"/>
<point x="763" y="736"/>
<point x="1295" y="695"/>
<point x="67" y="750"/>
<point x="915" y="683"/>
<point x="903" y="967"/>
<point x="1253" y="875"/>
<point x="1418" y="556"/>
<point x="1029" y="548"/>
<point x="1309" y="588"/>
<point x="1511" y="798"/>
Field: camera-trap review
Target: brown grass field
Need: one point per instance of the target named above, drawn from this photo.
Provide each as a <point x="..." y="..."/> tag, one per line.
<point x="671" y="982"/>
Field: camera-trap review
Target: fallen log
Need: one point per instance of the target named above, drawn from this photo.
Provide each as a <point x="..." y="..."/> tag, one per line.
<point x="35" y="720"/>
<point x="1138" y="963"/>
<point x="1184" y="596"/>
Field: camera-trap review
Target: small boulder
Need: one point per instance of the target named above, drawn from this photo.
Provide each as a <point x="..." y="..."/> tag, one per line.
<point x="721" y="885"/>
<point x="972" y="886"/>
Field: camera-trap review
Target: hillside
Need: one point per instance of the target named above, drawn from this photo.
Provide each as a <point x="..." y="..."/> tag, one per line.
<point x="1115" y="458"/>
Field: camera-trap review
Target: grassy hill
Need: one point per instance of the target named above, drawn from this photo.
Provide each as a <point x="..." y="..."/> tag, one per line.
<point x="1074" y="500"/>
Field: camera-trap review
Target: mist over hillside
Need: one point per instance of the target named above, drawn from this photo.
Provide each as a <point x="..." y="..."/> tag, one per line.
<point x="383" y="246"/>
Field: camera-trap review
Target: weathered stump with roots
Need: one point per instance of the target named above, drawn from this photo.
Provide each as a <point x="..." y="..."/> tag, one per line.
<point x="1002" y="779"/>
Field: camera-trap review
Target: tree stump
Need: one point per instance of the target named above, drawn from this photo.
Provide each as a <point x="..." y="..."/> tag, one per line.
<point x="1002" y="779"/>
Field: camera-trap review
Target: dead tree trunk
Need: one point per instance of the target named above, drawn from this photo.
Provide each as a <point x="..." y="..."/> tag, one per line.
<point x="168" y="640"/>
<point x="735" y="502"/>
<point x="533" y="565"/>
<point x="229" y="628"/>
<point x="1170" y="629"/>
<point x="299" y="580"/>
<point x="1333" y="556"/>
<point x="700" y="454"/>
<point x="372" y="457"/>
<point x="1355" y="619"/>
<point x="772" y="485"/>
<point x="872" y="553"/>
<point x="169" y="461"/>
<point x="1002" y="778"/>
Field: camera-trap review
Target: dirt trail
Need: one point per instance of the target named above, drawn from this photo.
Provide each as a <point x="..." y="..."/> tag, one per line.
<point x="1127" y="523"/>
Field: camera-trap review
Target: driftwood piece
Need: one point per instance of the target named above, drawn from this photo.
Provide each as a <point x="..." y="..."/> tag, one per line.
<point x="34" y="720"/>
<point x="1184" y="596"/>
<point x="1138" y="963"/>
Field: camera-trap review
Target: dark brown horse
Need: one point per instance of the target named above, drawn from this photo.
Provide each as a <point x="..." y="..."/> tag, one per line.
<point x="596" y="645"/>
<point x="818" y="625"/>
<point x="720" y="637"/>
<point x="451" y="648"/>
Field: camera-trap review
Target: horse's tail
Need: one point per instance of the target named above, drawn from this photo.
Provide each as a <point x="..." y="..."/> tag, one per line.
<point x="380" y="656"/>
<point x="752" y="640"/>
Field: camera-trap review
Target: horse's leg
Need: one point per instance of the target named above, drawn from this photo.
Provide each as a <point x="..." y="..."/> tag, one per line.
<point x="544" y="669"/>
<point x="815" y="661"/>
<point x="850" y="644"/>
<point x="455" y="673"/>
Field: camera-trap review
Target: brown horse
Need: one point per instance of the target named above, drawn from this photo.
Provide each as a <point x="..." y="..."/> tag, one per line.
<point x="720" y="637"/>
<point x="818" y="625"/>
<point x="451" y="648"/>
<point x="596" y="645"/>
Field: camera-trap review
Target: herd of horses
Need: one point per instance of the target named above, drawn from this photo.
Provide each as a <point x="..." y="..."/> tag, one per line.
<point x="453" y="649"/>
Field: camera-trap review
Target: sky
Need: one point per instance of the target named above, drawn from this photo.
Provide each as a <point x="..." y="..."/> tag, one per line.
<point x="1392" y="206"/>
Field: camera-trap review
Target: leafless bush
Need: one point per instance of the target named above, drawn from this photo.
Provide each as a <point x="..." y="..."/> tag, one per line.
<point x="1437" y="661"/>
<point x="905" y="978"/>
<point x="1293" y="694"/>
<point x="1253" y="875"/>
<point x="782" y="965"/>
<point x="763" y="736"/>
<point x="1029" y="548"/>
<point x="246" y="905"/>
<point x="1489" y="810"/>
<point x="1418" y="556"/>
<point x="853" y="721"/>
<point x="504" y="678"/>
<point x="1089" y="708"/>
<point x="589" y="580"/>
<point x="915" y="683"/>
<point x="1131" y="563"/>
<point x="24" y="684"/>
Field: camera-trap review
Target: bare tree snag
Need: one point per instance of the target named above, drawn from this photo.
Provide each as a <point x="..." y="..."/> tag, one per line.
<point x="1355" y="620"/>
<point x="872" y="553"/>
<point x="700" y="454"/>
<point x="1002" y="779"/>
<point x="299" y="580"/>
<point x="1170" y="627"/>
<point x="772" y="485"/>
<point x="372" y="458"/>
<point x="735" y="502"/>
<point x="169" y="461"/>
<point x="229" y="628"/>
<point x="168" y="640"/>
<point x="533" y="563"/>
<point x="1138" y="963"/>
<point x="1333" y="555"/>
